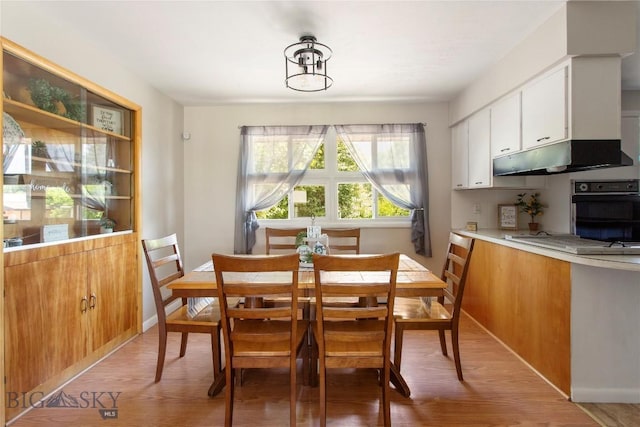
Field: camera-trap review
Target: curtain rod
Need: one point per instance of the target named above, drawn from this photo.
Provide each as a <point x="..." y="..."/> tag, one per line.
<point x="339" y="124"/>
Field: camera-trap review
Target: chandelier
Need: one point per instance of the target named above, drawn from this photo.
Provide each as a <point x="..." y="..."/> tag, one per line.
<point x="306" y="65"/>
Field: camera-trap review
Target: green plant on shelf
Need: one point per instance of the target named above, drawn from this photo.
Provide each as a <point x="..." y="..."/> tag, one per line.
<point x="39" y="149"/>
<point x="55" y="100"/>
<point x="107" y="223"/>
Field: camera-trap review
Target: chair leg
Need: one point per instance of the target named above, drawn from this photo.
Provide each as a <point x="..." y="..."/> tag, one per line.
<point x="397" y="346"/>
<point x="323" y="396"/>
<point x="456" y="352"/>
<point x="386" y="398"/>
<point x="292" y="391"/>
<point x="239" y="376"/>
<point x="313" y="361"/>
<point x="229" y="396"/>
<point x="306" y="361"/>
<point x="162" y="350"/>
<point x="215" y="350"/>
<point x="443" y="342"/>
<point x="183" y="343"/>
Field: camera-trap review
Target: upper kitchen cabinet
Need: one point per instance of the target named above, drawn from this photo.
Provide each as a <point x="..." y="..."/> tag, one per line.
<point x="480" y="150"/>
<point x="505" y="126"/>
<point x="69" y="154"/>
<point x="544" y="110"/>
<point x="579" y="100"/>
<point x="472" y="166"/>
<point x="460" y="156"/>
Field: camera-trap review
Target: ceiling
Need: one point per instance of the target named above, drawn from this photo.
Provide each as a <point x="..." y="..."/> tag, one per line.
<point x="217" y="52"/>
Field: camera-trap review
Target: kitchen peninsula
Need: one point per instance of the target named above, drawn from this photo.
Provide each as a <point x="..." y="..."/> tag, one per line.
<point x="573" y="318"/>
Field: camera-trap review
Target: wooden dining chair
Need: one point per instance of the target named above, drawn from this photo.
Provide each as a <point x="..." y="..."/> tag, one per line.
<point x="343" y="240"/>
<point x="256" y="336"/>
<point x="354" y="336"/>
<point x="424" y="314"/>
<point x="281" y="239"/>
<point x="165" y="265"/>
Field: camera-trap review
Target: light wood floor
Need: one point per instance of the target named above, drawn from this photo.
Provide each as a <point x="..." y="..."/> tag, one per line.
<point x="498" y="390"/>
<point x="614" y="414"/>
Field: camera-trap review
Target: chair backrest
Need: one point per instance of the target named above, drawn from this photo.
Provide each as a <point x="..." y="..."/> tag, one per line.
<point x="367" y="277"/>
<point x="165" y="266"/>
<point x="281" y="239"/>
<point x="455" y="269"/>
<point x="251" y="323"/>
<point x="343" y="240"/>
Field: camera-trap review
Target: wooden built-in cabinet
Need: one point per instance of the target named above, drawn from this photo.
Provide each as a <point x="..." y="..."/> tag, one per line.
<point x="71" y="159"/>
<point x="65" y="307"/>
<point x="524" y="299"/>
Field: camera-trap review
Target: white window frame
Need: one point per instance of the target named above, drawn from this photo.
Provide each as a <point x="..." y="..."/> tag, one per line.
<point x="330" y="177"/>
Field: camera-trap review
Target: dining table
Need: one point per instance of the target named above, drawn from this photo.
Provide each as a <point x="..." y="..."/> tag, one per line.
<point x="413" y="280"/>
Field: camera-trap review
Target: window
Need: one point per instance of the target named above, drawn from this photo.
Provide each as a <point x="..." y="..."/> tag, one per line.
<point x="334" y="188"/>
<point x="287" y="172"/>
<point x="58" y="203"/>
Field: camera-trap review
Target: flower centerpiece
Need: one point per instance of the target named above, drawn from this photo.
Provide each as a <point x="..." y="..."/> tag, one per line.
<point x="531" y="206"/>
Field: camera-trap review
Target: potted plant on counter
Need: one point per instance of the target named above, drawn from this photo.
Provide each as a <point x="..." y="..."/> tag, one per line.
<point x="532" y="207"/>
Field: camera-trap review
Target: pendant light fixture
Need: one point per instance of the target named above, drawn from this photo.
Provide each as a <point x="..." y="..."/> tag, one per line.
<point x="306" y="65"/>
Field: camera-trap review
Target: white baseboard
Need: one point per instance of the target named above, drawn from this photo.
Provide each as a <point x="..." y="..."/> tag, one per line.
<point x="153" y="320"/>
<point x="605" y="395"/>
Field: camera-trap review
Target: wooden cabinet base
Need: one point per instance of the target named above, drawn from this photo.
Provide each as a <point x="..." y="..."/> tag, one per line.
<point x="524" y="299"/>
<point x="66" y="307"/>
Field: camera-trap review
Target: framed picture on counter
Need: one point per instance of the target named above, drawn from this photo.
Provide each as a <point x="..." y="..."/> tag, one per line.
<point x="508" y="217"/>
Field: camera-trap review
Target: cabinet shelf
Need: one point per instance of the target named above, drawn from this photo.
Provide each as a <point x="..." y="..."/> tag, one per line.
<point x="80" y="165"/>
<point x="41" y="195"/>
<point x="30" y="114"/>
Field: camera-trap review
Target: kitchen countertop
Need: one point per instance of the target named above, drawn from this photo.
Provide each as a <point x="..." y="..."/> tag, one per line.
<point x="619" y="262"/>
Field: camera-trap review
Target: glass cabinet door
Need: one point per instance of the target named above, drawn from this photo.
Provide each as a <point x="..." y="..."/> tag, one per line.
<point x="67" y="158"/>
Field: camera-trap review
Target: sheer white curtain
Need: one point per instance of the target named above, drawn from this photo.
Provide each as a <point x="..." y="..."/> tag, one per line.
<point x="273" y="160"/>
<point x="12" y="135"/>
<point x="393" y="158"/>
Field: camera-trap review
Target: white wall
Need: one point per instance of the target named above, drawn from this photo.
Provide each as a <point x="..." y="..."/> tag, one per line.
<point x="631" y="100"/>
<point x="544" y="47"/>
<point x="211" y="158"/>
<point x="162" y="161"/>
<point x="577" y="28"/>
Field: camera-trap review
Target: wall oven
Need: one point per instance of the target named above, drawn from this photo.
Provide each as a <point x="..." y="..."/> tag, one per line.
<point x="607" y="210"/>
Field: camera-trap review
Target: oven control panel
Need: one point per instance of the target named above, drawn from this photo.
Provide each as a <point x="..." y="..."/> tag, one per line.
<point x="607" y="186"/>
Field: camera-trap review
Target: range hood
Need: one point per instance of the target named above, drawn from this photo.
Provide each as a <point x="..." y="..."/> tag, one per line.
<point x="563" y="157"/>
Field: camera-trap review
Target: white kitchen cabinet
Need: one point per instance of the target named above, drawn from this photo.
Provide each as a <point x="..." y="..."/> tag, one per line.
<point x="544" y="110"/>
<point x="480" y="149"/>
<point x="505" y="126"/>
<point x="471" y="162"/>
<point x="460" y="156"/>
